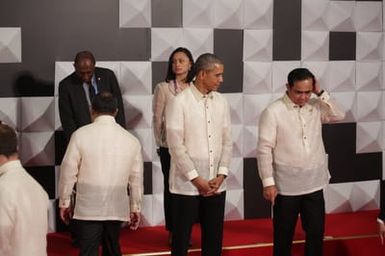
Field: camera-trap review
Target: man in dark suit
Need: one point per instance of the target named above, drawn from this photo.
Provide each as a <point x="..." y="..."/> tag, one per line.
<point x="77" y="90"/>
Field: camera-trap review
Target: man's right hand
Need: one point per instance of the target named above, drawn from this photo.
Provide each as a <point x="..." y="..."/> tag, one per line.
<point x="66" y="215"/>
<point x="134" y="220"/>
<point x="203" y="186"/>
<point x="381" y="232"/>
<point x="270" y="193"/>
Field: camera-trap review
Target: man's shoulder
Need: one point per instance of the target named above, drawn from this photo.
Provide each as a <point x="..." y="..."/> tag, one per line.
<point x="102" y="70"/>
<point x="184" y="95"/>
<point x="132" y="138"/>
<point x="276" y="103"/>
<point x="219" y="95"/>
<point x="122" y="135"/>
<point x="68" y="80"/>
<point x="83" y="130"/>
<point x="274" y="108"/>
<point x="12" y="179"/>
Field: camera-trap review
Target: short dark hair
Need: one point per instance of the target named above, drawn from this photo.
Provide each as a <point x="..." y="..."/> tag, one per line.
<point x="105" y="103"/>
<point x="8" y="140"/>
<point x="299" y="74"/>
<point x="84" y="55"/>
<point x="171" y="75"/>
<point x="206" y="62"/>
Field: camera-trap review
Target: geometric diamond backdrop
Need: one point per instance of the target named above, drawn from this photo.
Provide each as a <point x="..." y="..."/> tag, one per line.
<point x="259" y="42"/>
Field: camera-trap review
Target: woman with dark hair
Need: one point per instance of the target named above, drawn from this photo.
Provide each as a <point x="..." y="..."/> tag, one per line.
<point x="180" y="73"/>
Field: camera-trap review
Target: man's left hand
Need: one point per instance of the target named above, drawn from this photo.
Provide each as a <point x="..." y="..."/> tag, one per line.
<point x="134" y="220"/>
<point x="66" y="214"/>
<point x="215" y="184"/>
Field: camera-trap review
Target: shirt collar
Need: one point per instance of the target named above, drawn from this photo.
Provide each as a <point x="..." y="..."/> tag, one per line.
<point x="10" y="165"/>
<point x="105" y="119"/>
<point x="93" y="82"/>
<point x="291" y="105"/>
<point x="198" y="95"/>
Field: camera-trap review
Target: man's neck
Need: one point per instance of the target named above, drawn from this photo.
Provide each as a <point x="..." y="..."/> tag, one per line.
<point x="4" y="159"/>
<point x="201" y="87"/>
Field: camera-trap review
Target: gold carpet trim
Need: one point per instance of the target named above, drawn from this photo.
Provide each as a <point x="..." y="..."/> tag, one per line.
<point x="258" y="245"/>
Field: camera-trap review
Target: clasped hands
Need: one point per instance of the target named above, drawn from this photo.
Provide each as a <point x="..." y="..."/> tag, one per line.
<point x="208" y="187"/>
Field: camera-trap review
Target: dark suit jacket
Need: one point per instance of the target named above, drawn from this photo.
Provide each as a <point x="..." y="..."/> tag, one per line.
<point x="73" y="105"/>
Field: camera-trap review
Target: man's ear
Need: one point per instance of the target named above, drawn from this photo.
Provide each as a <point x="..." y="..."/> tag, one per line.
<point x="314" y="83"/>
<point x="3" y="159"/>
<point x="201" y="74"/>
<point x="93" y="114"/>
<point x="287" y="86"/>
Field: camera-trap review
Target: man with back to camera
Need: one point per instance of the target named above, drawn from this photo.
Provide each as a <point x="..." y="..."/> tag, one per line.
<point x="292" y="162"/>
<point x="77" y="89"/>
<point x="23" y="203"/>
<point x="198" y="128"/>
<point x="105" y="162"/>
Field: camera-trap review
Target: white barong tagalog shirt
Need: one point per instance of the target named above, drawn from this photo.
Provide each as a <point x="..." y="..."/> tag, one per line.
<point x="199" y="138"/>
<point x="163" y="93"/>
<point x="290" y="150"/>
<point x="23" y="212"/>
<point x="104" y="160"/>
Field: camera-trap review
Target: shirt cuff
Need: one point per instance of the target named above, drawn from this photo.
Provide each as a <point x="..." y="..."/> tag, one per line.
<point x="324" y="96"/>
<point x="135" y="208"/>
<point x="192" y="174"/>
<point x="223" y="170"/>
<point x="268" y="182"/>
<point x="64" y="203"/>
<point x="380" y="221"/>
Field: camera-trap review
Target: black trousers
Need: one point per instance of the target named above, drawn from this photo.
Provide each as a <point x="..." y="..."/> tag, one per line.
<point x="311" y="208"/>
<point x="91" y="233"/>
<point x="210" y="211"/>
<point x="165" y="160"/>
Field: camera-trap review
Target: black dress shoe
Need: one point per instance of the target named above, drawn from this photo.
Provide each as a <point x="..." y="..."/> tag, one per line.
<point x="169" y="239"/>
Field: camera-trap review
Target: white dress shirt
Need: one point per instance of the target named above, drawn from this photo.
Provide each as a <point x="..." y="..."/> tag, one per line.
<point x="104" y="160"/>
<point x="23" y="212"/>
<point x="199" y="139"/>
<point x="290" y="151"/>
<point x="163" y="93"/>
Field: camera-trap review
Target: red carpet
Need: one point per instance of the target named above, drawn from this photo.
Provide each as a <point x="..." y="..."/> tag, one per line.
<point x="346" y="234"/>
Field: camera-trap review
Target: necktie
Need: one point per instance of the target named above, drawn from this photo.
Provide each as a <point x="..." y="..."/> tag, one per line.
<point x="91" y="91"/>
